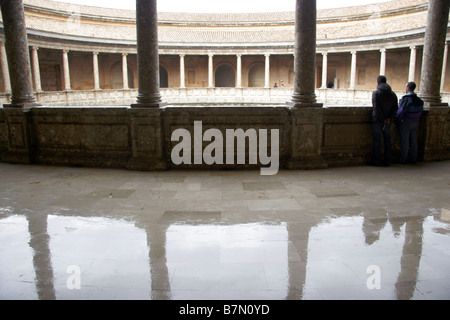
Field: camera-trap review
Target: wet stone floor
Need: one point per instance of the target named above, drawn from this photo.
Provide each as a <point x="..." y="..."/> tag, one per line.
<point x="345" y="233"/>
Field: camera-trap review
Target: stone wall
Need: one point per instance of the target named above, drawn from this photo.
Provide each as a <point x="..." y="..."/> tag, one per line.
<point x="202" y="96"/>
<point x="140" y="139"/>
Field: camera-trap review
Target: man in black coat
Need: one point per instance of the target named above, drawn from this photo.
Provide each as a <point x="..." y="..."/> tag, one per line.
<point x="385" y="106"/>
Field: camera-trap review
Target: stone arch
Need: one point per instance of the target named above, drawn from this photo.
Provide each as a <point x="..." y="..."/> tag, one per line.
<point x="256" y="75"/>
<point x="225" y="76"/>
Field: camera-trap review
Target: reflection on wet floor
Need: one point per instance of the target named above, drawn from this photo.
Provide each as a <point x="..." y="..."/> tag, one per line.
<point x="121" y="247"/>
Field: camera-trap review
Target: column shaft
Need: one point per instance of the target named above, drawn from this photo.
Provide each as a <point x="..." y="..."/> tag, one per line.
<point x="433" y="55"/>
<point x="96" y="71"/>
<point x="324" y="70"/>
<point x="412" y="64"/>
<point x="383" y="62"/>
<point x="210" y="71"/>
<point x="305" y="53"/>
<point x="36" y="70"/>
<point x="147" y="54"/>
<point x="353" y="71"/>
<point x="444" y="68"/>
<point x="267" y="72"/>
<point x="239" y="71"/>
<point x="5" y="69"/>
<point x="16" y="44"/>
<point x="66" y="70"/>
<point x="125" y="70"/>
<point x="182" y="72"/>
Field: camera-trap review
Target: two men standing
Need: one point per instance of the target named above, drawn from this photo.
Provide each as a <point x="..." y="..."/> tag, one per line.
<point x="406" y="114"/>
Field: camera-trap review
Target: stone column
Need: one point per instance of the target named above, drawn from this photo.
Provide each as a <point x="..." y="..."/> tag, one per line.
<point x="96" y="71"/>
<point x="16" y="44"/>
<point x="125" y="70"/>
<point x="267" y="73"/>
<point x="444" y="68"/>
<point x="433" y="55"/>
<point x="324" y="70"/>
<point x="147" y="55"/>
<point x="182" y="72"/>
<point x="239" y="71"/>
<point x="353" y="71"/>
<point x="305" y="54"/>
<point x="412" y="64"/>
<point x="383" y="62"/>
<point x="210" y="71"/>
<point x="66" y="70"/>
<point x="36" y="70"/>
<point x="5" y="70"/>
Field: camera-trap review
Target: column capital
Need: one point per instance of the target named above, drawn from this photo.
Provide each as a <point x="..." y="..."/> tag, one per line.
<point x="66" y="51"/>
<point x="124" y="54"/>
<point x="382" y="50"/>
<point x="325" y="53"/>
<point x="95" y="53"/>
<point x="35" y="48"/>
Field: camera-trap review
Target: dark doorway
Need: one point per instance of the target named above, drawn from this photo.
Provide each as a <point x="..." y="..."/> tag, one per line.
<point x="225" y="77"/>
<point x="163" y="77"/>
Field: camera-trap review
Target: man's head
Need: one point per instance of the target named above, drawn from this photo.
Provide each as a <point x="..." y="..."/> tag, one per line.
<point x="410" y="87"/>
<point x="381" y="79"/>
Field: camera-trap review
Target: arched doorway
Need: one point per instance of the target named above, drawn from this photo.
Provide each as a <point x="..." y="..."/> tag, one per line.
<point x="257" y="75"/>
<point x="225" y="77"/>
<point x="163" y="77"/>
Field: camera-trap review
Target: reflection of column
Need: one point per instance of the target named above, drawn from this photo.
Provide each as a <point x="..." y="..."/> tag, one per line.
<point x="96" y="72"/>
<point x="4" y="66"/>
<point x="267" y="73"/>
<point x="324" y="70"/>
<point x="353" y="71"/>
<point x="182" y="72"/>
<point x="147" y="54"/>
<point x="410" y="261"/>
<point x="42" y="263"/>
<point x="36" y="71"/>
<point x="383" y="62"/>
<point x="16" y="45"/>
<point x="125" y="70"/>
<point x="433" y="55"/>
<point x="298" y="235"/>
<point x="210" y="71"/>
<point x="444" y="68"/>
<point x="66" y="70"/>
<point x="412" y="64"/>
<point x="305" y="53"/>
<point x="156" y="239"/>
<point x="239" y="71"/>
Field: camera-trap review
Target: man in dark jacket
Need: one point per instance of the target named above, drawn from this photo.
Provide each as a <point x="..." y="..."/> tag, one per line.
<point x="385" y="106"/>
<point x="408" y="116"/>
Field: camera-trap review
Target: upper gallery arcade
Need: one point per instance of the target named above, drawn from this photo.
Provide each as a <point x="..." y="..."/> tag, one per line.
<point x="80" y="50"/>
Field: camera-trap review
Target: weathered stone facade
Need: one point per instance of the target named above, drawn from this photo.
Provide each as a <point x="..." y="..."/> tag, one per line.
<point x="223" y="50"/>
<point x="139" y="136"/>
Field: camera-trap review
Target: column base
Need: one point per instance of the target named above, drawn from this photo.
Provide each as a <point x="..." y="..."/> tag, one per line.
<point x="296" y="104"/>
<point x="148" y="105"/>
